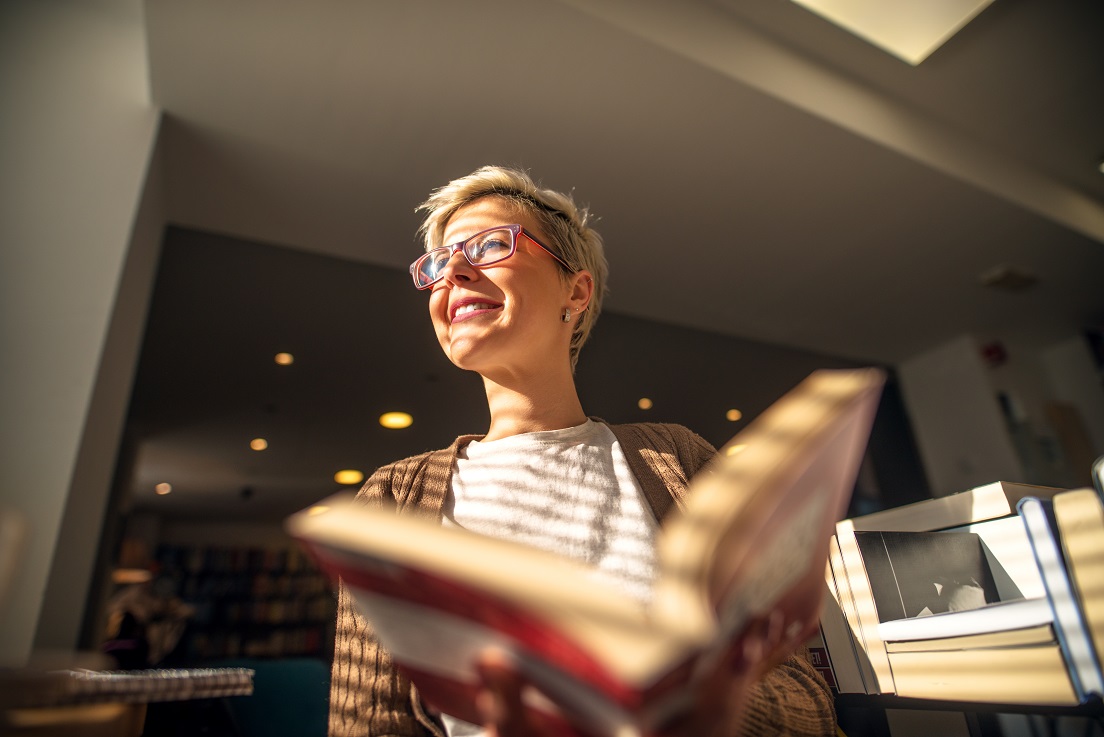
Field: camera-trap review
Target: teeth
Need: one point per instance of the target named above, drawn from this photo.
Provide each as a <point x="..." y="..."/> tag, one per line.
<point x="472" y="307"/>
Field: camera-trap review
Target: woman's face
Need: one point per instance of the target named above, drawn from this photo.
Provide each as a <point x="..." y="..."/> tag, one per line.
<point x="504" y="319"/>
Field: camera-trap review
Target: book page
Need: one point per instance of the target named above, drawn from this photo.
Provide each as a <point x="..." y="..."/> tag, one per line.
<point x="754" y="534"/>
<point x="918" y="574"/>
<point x="546" y="604"/>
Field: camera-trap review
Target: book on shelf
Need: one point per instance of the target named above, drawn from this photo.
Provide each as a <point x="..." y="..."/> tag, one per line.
<point x="818" y="656"/>
<point x="981" y="503"/>
<point x="1070" y="622"/>
<point x="1027" y="635"/>
<point x="750" y="542"/>
<point x="959" y="614"/>
<point x="846" y="653"/>
<point x="1034" y="675"/>
<point x="1080" y="518"/>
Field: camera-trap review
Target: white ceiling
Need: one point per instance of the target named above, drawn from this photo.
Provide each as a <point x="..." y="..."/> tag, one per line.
<point x="756" y="171"/>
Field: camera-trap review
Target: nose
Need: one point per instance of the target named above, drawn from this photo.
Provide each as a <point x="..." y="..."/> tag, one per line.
<point x="458" y="269"/>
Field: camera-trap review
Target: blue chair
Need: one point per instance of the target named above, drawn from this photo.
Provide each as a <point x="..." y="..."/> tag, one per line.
<point x="290" y="697"/>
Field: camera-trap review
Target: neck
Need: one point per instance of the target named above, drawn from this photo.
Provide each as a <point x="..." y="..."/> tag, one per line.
<point x="532" y="404"/>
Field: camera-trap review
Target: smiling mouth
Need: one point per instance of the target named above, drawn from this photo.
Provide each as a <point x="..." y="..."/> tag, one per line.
<point x="472" y="307"/>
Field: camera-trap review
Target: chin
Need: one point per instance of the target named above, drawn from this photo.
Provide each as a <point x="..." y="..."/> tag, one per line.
<point x="462" y="356"/>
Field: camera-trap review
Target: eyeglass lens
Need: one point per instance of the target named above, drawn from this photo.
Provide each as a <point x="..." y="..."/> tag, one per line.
<point x="482" y="249"/>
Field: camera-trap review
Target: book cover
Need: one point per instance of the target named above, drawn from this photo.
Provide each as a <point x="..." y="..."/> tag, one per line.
<point x="1080" y="518"/>
<point x="751" y="542"/>
<point x="990" y="501"/>
<point x="1070" y="624"/>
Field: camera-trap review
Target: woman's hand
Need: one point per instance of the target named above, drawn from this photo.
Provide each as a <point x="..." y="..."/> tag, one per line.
<point x="720" y="701"/>
<point x="500" y="701"/>
<point x="716" y="708"/>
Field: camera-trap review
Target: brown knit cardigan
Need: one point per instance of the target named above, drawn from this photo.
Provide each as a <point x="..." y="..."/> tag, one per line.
<point x="369" y="697"/>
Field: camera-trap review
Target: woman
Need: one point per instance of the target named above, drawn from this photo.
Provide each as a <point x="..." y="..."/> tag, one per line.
<point x="515" y="279"/>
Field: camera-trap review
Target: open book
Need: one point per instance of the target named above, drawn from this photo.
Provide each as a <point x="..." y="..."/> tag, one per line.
<point x="751" y="540"/>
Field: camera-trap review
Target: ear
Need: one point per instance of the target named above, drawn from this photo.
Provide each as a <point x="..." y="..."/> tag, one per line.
<point x="581" y="290"/>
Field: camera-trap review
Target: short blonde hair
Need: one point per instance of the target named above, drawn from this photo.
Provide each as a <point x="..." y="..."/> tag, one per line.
<point x="562" y="223"/>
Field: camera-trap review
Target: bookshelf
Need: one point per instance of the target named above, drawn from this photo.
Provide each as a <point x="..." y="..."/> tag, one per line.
<point x="249" y="602"/>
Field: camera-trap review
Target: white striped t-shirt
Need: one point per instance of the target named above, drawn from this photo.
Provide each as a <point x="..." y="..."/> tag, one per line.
<point x="567" y="491"/>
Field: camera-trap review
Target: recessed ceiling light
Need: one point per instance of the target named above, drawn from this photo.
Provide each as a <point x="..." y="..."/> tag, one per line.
<point x="908" y="29"/>
<point x="163" y="488"/>
<point x="348" y="476"/>
<point x="125" y="576"/>
<point x="733" y="415"/>
<point x="644" y="403"/>
<point x="258" y="443"/>
<point x="285" y="359"/>
<point x="396" y="420"/>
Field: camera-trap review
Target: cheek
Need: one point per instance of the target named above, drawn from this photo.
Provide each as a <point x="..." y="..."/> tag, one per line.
<point x="438" y="305"/>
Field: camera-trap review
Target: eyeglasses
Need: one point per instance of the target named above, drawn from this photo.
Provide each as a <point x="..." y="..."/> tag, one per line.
<point x="485" y="248"/>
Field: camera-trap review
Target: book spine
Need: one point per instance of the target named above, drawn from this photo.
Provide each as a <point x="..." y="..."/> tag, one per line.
<point x="862" y="615"/>
<point x="818" y="656"/>
<point x="840" y="649"/>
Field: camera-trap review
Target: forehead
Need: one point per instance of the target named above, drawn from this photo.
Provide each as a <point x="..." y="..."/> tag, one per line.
<point x="486" y="212"/>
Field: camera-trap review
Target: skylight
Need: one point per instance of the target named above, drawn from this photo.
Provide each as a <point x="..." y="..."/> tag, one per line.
<point x="909" y="29"/>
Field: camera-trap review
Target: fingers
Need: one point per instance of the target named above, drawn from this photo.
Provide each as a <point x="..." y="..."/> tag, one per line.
<point x="500" y="701"/>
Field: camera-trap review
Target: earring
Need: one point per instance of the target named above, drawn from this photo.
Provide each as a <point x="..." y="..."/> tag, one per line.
<point x="566" y="315"/>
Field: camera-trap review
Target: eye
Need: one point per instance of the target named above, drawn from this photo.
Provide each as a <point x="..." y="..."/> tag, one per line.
<point x="435" y="261"/>
<point x="491" y="248"/>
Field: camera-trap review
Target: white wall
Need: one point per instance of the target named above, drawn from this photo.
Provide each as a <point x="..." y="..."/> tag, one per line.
<point x="957" y="421"/>
<point x="77" y="134"/>
<point x="1074" y="378"/>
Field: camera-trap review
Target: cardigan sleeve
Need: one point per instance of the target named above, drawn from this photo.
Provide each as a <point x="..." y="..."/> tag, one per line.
<point x="791" y="699"/>
<point x="368" y="696"/>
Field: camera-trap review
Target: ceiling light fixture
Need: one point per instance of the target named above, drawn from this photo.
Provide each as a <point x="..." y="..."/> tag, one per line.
<point x="733" y="415"/>
<point x="396" y="420"/>
<point x="348" y="477"/>
<point x="163" y="488"/>
<point x="1007" y="278"/>
<point x="909" y="30"/>
<point x="644" y="403"/>
<point x="127" y="576"/>
<point x="285" y="359"/>
<point x="258" y="443"/>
